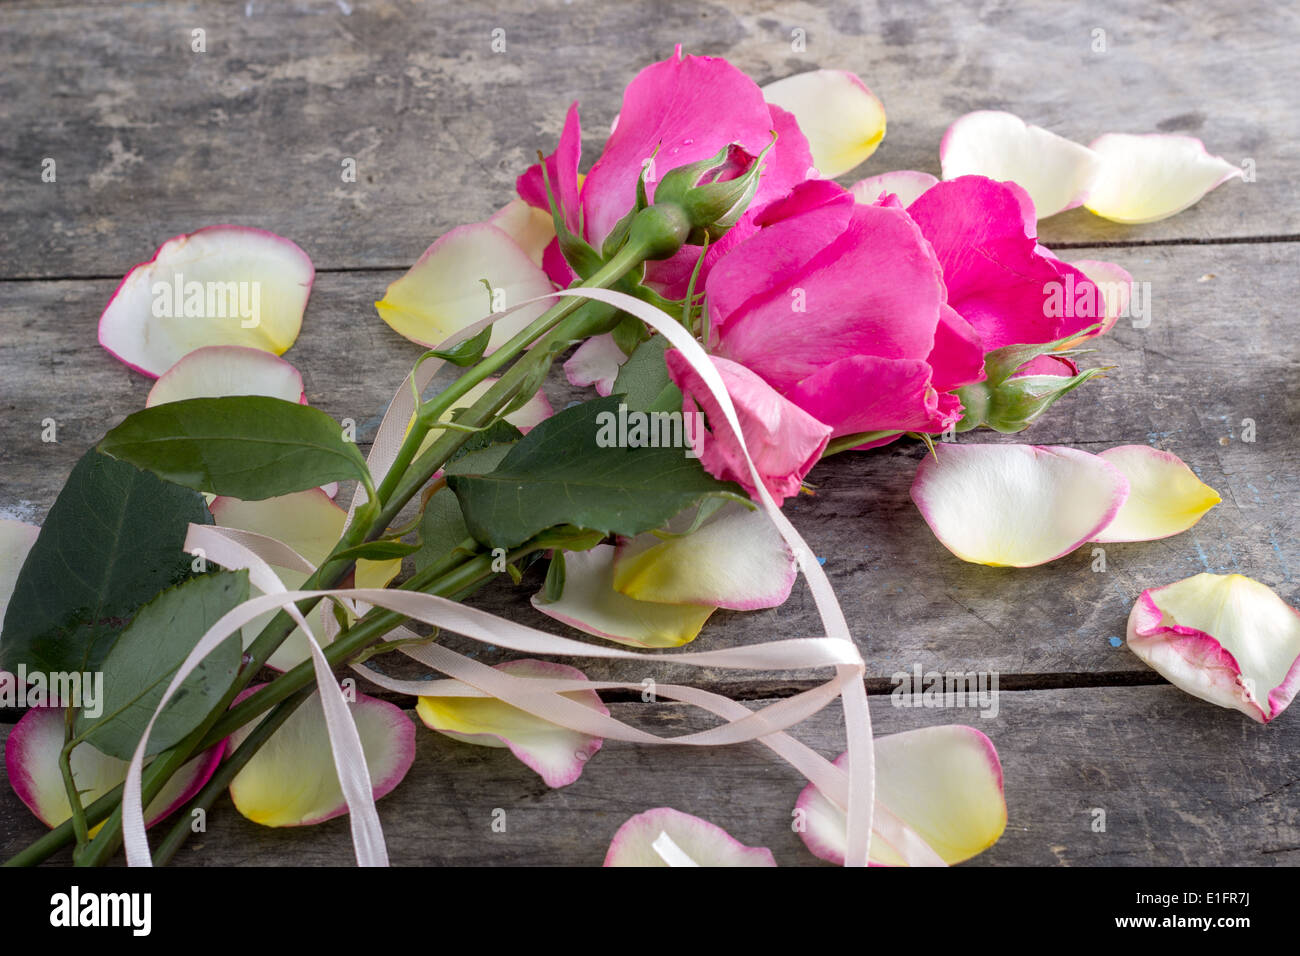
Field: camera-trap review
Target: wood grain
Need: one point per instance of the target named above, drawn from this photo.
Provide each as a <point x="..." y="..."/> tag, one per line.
<point x="1219" y="788"/>
<point x="1216" y="352"/>
<point x="152" y="139"/>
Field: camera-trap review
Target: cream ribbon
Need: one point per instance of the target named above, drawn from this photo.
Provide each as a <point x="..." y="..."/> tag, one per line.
<point x="854" y="790"/>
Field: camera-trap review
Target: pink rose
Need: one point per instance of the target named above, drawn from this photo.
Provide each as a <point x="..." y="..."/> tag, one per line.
<point x="841" y="308"/>
<point x="783" y="440"/>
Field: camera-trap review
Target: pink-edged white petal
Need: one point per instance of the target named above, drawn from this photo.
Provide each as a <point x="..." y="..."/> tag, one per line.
<point x="444" y="291"/>
<point x="906" y="184"/>
<point x="736" y="559"/>
<point x="32" y="764"/>
<point x="1165" y="497"/>
<point x="1058" y="173"/>
<point x="1016" y="505"/>
<point x="842" y="119"/>
<point x="595" y="362"/>
<point x="311" y="523"/>
<point x="1114" y="284"/>
<point x="668" y="837"/>
<point x="556" y="753"/>
<point x="591" y="604"/>
<point x="16" y="539"/>
<point x="1225" y="638"/>
<point x="219" y="370"/>
<point x="291" y="781"/>
<point x="944" y="783"/>
<point x="223" y="285"/>
<point x="1146" y="178"/>
<point x="531" y="228"/>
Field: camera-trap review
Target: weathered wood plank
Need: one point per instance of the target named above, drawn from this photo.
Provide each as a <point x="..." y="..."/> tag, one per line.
<point x="1216" y="791"/>
<point x="1216" y="352"/>
<point x="152" y="139"/>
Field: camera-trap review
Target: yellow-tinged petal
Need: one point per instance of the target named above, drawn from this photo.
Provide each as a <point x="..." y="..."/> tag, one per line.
<point x="945" y="783"/>
<point x="291" y="781"/>
<point x="224" y="285"/>
<point x="310" y="523"/>
<point x="591" y="604"/>
<point x="531" y="228"/>
<point x="1165" y="497"/>
<point x="1224" y="638"/>
<point x="16" y="539"/>
<point x="32" y="765"/>
<point x="444" y="291"/>
<point x="736" y="559"/>
<point x="1056" y="172"/>
<point x="843" y="121"/>
<point x="215" y="371"/>
<point x="667" y="837"/>
<point x="556" y="753"/>
<point x="1148" y="178"/>
<point x="1016" y="505"/>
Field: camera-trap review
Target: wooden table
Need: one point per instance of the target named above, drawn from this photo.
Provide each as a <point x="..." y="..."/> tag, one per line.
<point x="152" y="139"/>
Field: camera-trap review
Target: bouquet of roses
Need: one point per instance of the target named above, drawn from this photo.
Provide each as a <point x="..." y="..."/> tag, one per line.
<point x="741" y="316"/>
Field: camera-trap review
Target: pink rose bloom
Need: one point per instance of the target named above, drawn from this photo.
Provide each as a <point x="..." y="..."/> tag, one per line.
<point x="841" y="308"/>
<point x="1001" y="282"/>
<point x="783" y="440"/>
<point x="680" y="111"/>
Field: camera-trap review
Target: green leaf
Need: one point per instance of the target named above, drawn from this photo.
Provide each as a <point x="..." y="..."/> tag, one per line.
<point x="384" y="550"/>
<point x="111" y="542"/>
<point x="469" y="352"/>
<point x="246" y="446"/>
<point x="142" y="662"/>
<point x="554" y="586"/>
<point x="441" y="530"/>
<point x="563" y="472"/>
<point x="644" y="380"/>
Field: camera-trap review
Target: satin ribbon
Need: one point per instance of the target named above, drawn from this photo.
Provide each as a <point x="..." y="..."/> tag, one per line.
<point x="853" y="791"/>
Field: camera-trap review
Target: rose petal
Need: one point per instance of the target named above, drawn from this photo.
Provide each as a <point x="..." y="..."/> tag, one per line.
<point x="1056" y="172"/>
<point x="1165" y="498"/>
<point x="784" y="440"/>
<point x="595" y="362"/>
<point x="531" y="228"/>
<point x="32" y="764"/>
<point x="1148" y="178"/>
<point x="291" y="781"/>
<point x="906" y="184"/>
<point x="1016" y="505"/>
<point x="843" y="120"/>
<point x="678" y="111"/>
<point x="945" y="783"/>
<point x="591" y="604"/>
<point x="310" y="523"/>
<point x="143" y="326"/>
<point x="1223" y="638"/>
<point x="444" y="292"/>
<point x="16" y="539"/>
<point x="736" y="559"/>
<point x="219" y="370"/>
<point x="1115" y="286"/>
<point x="688" y="839"/>
<point x="556" y="753"/>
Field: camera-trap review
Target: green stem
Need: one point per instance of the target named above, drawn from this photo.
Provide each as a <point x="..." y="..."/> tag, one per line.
<point x="482" y="411"/>
<point x="224" y="774"/>
<point x="79" y="826"/>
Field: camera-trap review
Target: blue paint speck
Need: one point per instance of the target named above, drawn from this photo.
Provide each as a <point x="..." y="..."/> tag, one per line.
<point x="1115" y="642"/>
<point x="821" y="561"/>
